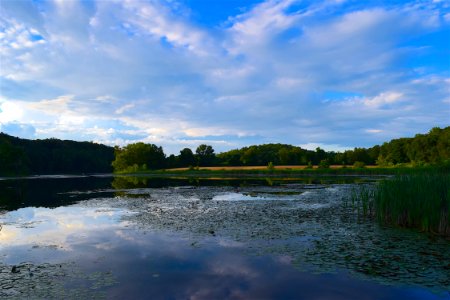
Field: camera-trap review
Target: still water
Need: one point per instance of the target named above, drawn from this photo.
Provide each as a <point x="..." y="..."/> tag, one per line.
<point x="66" y="237"/>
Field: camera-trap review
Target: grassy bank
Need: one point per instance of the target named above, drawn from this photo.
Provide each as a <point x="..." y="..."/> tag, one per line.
<point x="418" y="200"/>
<point x="279" y="171"/>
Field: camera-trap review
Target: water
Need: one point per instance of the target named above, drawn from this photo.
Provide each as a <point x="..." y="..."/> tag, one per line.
<point x="140" y="238"/>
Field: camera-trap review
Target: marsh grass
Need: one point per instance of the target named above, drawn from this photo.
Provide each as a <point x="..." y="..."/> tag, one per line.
<point x="420" y="201"/>
<point x="362" y="201"/>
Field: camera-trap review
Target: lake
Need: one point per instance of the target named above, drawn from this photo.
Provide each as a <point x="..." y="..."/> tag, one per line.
<point x="68" y="237"/>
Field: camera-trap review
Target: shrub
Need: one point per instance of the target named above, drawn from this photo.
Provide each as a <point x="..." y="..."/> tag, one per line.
<point x="359" y="165"/>
<point x="324" y="164"/>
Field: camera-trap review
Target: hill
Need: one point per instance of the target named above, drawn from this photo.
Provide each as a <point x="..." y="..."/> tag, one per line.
<point x="52" y="156"/>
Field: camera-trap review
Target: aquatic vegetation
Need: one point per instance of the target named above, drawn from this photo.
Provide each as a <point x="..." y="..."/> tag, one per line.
<point x="52" y="281"/>
<point x="305" y="222"/>
<point x="418" y="200"/>
<point x="302" y="221"/>
<point x="362" y="200"/>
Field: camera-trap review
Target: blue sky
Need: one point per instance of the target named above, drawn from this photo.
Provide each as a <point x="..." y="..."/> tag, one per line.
<point x="230" y="73"/>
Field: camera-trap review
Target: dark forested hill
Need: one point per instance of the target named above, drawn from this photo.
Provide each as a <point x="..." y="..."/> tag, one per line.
<point x="52" y="156"/>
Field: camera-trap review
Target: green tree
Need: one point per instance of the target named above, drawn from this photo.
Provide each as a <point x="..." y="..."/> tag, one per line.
<point x="324" y="164"/>
<point x="320" y="155"/>
<point x="172" y="161"/>
<point x="230" y="158"/>
<point x="140" y="155"/>
<point x="12" y="159"/>
<point x="186" y="158"/>
<point x="205" y="155"/>
<point x="250" y="156"/>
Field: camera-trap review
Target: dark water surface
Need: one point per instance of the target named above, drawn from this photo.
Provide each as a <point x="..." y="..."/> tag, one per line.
<point x="84" y="237"/>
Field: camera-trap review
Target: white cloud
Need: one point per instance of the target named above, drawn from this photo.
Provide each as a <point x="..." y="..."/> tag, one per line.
<point x="157" y="20"/>
<point x="124" y="108"/>
<point x="374" y="130"/>
<point x="122" y="71"/>
<point x="56" y="106"/>
<point x="266" y="18"/>
<point x="384" y="98"/>
<point x="10" y="111"/>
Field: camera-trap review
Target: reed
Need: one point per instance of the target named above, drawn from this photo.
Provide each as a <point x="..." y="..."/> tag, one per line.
<point x="418" y="200"/>
<point x="362" y="201"/>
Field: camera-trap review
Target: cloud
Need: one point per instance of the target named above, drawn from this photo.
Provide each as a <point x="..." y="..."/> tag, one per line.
<point x="157" y="20"/>
<point x="383" y="99"/>
<point x="10" y="111"/>
<point x="262" y="22"/>
<point x="123" y="71"/>
<point x="124" y="108"/>
<point x="56" y="106"/>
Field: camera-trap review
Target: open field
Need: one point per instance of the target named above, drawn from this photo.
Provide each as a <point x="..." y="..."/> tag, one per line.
<point x="240" y="168"/>
<point x="288" y="171"/>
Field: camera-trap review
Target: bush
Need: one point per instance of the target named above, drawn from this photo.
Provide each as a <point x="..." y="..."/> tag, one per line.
<point x="359" y="165"/>
<point x="324" y="164"/>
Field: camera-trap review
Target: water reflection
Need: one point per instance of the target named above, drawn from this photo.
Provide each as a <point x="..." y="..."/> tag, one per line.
<point x="44" y="227"/>
<point x="127" y="237"/>
<point x="121" y="262"/>
<point x="48" y="192"/>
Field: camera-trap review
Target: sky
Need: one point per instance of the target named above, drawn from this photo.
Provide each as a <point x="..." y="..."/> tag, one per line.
<point x="337" y="74"/>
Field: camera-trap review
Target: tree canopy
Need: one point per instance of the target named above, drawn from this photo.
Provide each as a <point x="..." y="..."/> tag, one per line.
<point x="205" y="155"/>
<point x="52" y="156"/>
<point x="138" y="156"/>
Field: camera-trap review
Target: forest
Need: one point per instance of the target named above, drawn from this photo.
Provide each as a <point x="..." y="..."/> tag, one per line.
<point x="53" y="156"/>
<point x="423" y="149"/>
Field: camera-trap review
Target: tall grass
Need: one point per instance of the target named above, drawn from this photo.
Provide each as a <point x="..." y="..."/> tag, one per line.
<point x="362" y="201"/>
<point x="416" y="200"/>
<point x="420" y="200"/>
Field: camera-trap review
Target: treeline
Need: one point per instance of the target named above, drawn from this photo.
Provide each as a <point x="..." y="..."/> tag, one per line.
<point x="140" y="156"/>
<point x="52" y="156"/>
<point x="423" y="149"/>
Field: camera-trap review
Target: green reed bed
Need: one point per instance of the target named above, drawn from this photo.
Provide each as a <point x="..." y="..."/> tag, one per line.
<point x="420" y="201"/>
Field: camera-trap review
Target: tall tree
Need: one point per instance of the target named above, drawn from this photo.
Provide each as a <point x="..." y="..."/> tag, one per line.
<point x="139" y="155"/>
<point x="186" y="158"/>
<point x="205" y="155"/>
